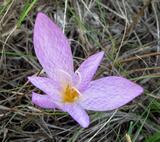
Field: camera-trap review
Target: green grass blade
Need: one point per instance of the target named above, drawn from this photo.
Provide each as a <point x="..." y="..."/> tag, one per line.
<point x="153" y="138"/>
<point x="25" y="11"/>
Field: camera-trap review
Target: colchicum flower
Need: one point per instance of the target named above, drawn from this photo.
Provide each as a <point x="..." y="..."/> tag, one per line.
<point x="70" y="91"/>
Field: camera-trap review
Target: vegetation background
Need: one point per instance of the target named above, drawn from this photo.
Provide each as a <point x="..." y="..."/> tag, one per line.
<point x="129" y="33"/>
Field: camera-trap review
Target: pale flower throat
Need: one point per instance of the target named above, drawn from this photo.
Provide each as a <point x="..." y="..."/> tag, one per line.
<point x="70" y="94"/>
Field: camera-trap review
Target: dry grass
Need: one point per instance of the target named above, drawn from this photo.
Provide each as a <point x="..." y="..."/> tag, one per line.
<point x="128" y="32"/>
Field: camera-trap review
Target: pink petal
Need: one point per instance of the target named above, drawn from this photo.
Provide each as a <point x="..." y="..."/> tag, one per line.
<point x="52" y="47"/>
<point x="77" y="113"/>
<point x="47" y="85"/>
<point x="43" y="101"/>
<point x="87" y="70"/>
<point x="109" y="93"/>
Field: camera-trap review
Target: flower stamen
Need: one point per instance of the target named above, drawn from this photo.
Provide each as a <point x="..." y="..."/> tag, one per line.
<point x="70" y="94"/>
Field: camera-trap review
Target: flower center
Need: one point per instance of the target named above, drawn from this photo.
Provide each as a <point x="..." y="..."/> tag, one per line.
<point x="70" y="94"/>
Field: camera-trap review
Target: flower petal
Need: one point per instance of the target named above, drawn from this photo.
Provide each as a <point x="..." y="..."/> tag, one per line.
<point x="109" y="93"/>
<point x="43" y="101"/>
<point x="47" y="85"/>
<point x="77" y="113"/>
<point x="87" y="70"/>
<point x="52" y="47"/>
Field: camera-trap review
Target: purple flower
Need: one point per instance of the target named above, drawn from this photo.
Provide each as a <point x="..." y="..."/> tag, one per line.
<point x="70" y="91"/>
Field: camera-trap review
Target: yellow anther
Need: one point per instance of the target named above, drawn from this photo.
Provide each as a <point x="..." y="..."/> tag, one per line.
<point x="70" y="94"/>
